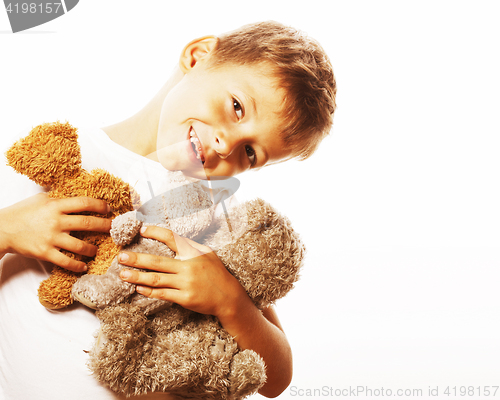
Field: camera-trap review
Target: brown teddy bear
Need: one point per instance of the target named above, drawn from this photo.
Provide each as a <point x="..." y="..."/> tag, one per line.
<point x="177" y="350"/>
<point x="50" y="156"/>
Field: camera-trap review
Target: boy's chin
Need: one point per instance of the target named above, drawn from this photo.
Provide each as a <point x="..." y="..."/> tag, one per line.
<point x="196" y="174"/>
<point x="193" y="172"/>
<point x="179" y="157"/>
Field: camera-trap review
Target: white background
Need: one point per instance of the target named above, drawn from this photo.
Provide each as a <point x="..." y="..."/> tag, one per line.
<point x="399" y="208"/>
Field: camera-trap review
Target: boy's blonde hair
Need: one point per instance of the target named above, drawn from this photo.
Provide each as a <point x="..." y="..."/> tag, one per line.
<point x="302" y="68"/>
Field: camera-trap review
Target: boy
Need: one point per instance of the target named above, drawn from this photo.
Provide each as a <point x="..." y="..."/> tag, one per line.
<point x="262" y="94"/>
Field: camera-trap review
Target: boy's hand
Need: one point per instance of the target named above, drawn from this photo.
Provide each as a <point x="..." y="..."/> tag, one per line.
<point x="39" y="226"/>
<point x="196" y="279"/>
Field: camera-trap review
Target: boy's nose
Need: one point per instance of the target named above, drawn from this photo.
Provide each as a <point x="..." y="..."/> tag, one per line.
<point x="224" y="146"/>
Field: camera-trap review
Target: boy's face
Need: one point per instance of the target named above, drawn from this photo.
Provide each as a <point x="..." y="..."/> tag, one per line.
<point x="221" y="121"/>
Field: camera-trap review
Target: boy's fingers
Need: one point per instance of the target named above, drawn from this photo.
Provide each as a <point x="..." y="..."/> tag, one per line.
<point x="81" y="204"/>
<point x="168" y="294"/>
<point x="162" y="234"/>
<point x="86" y="223"/>
<point x="150" y="261"/>
<point x="149" y="279"/>
<point x="200" y="247"/>
<point x="58" y="258"/>
<point x="77" y="246"/>
<point x="186" y="251"/>
<point x="180" y="245"/>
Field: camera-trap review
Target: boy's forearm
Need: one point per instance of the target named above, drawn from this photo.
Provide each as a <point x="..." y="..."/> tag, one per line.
<point x="261" y="332"/>
<point x="4" y="249"/>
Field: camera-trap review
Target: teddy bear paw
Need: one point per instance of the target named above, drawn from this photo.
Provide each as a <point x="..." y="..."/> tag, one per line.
<point x="87" y="302"/>
<point x="125" y="228"/>
<point x="148" y="305"/>
<point x="248" y="374"/>
<point x="99" y="291"/>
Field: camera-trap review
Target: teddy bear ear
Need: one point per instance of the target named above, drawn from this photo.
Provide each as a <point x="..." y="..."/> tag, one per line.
<point x="49" y="152"/>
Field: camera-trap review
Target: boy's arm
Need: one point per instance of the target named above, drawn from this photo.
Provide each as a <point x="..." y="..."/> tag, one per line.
<point x="262" y="332"/>
<point x="199" y="282"/>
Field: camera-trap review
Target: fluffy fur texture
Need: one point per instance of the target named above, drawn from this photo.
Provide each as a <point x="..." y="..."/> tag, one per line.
<point x="50" y="156"/>
<point x="179" y="351"/>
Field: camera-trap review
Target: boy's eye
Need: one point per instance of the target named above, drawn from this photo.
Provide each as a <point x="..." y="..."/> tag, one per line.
<point x="238" y="109"/>
<point x="251" y="155"/>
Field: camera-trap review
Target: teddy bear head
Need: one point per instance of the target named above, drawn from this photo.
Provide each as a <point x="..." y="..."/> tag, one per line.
<point x="47" y="154"/>
<point x="260" y="248"/>
<point x="50" y="156"/>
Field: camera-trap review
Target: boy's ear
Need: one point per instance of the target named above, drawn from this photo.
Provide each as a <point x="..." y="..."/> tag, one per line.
<point x="196" y="50"/>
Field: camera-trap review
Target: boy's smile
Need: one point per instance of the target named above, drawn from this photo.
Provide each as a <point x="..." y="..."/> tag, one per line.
<point x="221" y="121"/>
<point x="196" y="145"/>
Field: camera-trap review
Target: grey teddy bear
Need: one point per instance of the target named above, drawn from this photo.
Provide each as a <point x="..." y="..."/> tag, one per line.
<point x="150" y="345"/>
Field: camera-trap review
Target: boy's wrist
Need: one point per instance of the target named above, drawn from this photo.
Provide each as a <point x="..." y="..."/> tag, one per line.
<point x="237" y="314"/>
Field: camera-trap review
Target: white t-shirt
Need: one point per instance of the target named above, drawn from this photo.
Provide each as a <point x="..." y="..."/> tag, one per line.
<point x="42" y="353"/>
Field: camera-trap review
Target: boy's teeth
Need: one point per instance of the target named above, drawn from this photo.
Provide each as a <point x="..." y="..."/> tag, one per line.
<point x="196" y="144"/>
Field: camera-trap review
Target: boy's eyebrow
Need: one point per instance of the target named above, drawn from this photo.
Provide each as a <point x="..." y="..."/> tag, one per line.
<point x="251" y="100"/>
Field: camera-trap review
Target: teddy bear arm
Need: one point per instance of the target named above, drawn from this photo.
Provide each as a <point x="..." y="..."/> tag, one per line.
<point x="55" y="291"/>
<point x="247" y="376"/>
<point x="100" y="291"/>
<point x="148" y="305"/>
<point x="119" y="195"/>
<point x="125" y="228"/>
